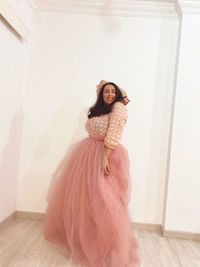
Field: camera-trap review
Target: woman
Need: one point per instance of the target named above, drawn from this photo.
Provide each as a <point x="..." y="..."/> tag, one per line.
<point x="89" y="193"/>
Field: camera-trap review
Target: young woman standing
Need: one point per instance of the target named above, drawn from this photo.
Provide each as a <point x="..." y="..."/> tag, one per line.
<point x="87" y="202"/>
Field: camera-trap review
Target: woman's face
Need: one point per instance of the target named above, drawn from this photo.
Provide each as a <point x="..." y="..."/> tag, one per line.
<point x="109" y="94"/>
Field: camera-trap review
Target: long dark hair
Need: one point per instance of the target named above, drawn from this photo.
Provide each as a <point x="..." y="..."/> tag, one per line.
<point x="100" y="108"/>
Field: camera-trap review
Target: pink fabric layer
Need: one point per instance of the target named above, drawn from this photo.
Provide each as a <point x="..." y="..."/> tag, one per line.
<point x="87" y="211"/>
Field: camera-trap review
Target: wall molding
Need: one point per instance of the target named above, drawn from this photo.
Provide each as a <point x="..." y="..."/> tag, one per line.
<point x="190" y="6"/>
<point x="9" y="14"/>
<point x="147" y="226"/>
<point x="123" y="8"/>
<point x="31" y="4"/>
<point x="180" y="234"/>
<point x="29" y="215"/>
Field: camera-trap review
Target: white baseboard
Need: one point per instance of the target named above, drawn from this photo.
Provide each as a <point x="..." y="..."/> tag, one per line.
<point x="139" y="226"/>
<point x="180" y="234"/>
<point x="29" y="215"/>
<point x="147" y="226"/>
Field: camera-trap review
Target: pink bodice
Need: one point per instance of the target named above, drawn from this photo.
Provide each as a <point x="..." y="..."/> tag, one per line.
<point x="109" y="127"/>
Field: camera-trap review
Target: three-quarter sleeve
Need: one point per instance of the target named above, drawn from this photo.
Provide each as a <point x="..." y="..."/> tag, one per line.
<point x="118" y="118"/>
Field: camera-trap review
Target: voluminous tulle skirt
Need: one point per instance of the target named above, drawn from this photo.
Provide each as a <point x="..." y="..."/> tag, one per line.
<point x="87" y="211"/>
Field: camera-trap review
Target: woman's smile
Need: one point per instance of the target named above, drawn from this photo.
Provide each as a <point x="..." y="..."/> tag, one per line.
<point x="111" y="99"/>
<point x="109" y="94"/>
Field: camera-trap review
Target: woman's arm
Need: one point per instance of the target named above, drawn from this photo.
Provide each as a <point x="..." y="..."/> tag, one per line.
<point x="117" y="121"/>
<point x="106" y="166"/>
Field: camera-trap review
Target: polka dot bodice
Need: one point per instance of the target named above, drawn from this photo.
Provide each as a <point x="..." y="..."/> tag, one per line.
<point x="108" y="126"/>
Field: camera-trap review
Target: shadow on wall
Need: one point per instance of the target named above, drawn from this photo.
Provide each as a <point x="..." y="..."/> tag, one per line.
<point x="65" y="128"/>
<point x="9" y="165"/>
<point x="62" y="129"/>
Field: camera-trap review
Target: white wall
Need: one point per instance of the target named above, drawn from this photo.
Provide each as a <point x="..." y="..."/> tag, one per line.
<point x="183" y="209"/>
<point x="70" y="54"/>
<point x="13" y="55"/>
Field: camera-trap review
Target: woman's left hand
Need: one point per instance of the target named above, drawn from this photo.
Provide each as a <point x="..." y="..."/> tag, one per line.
<point x="106" y="166"/>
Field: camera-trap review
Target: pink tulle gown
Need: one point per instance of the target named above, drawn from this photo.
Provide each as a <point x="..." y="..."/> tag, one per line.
<point x="87" y="211"/>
